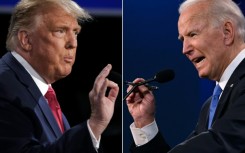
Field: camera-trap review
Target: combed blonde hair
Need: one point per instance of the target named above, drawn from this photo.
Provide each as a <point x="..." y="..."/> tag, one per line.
<point x="26" y="11"/>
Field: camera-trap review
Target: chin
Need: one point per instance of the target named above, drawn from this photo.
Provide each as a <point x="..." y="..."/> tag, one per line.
<point x="66" y="74"/>
<point x="67" y="70"/>
<point x="63" y="74"/>
<point x="202" y="75"/>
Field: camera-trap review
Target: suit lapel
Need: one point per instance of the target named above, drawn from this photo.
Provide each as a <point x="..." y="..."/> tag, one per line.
<point x="232" y="82"/>
<point x="223" y="99"/>
<point x="203" y="119"/>
<point x="66" y="123"/>
<point x="27" y="81"/>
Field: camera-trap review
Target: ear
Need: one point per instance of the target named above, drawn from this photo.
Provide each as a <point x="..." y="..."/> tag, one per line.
<point x="229" y="33"/>
<point x="24" y="40"/>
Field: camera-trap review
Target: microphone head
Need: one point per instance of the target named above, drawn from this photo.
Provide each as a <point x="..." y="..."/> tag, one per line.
<point x="164" y="76"/>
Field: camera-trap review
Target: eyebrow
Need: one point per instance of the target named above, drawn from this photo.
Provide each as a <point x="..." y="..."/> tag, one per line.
<point x="180" y="38"/>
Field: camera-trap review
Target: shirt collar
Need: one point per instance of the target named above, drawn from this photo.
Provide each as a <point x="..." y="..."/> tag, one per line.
<point x="41" y="84"/>
<point x="230" y="69"/>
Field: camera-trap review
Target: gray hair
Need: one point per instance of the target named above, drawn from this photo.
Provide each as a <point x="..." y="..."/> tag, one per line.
<point x="24" y="14"/>
<point x="220" y="11"/>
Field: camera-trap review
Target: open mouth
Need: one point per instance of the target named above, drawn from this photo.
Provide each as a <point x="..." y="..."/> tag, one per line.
<point x="198" y="60"/>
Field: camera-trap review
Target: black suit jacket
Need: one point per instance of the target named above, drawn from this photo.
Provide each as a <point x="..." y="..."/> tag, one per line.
<point x="228" y="130"/>
<point x="26" y="121"/>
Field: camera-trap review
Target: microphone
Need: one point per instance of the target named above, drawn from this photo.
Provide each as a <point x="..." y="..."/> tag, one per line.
<point x="160" y="77"/>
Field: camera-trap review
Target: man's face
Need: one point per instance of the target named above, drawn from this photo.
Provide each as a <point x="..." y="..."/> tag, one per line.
<point x="54" y="44"/>
<point x="203" y="44"/>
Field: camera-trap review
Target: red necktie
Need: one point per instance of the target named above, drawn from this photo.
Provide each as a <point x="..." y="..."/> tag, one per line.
<point x="55" y="107"/>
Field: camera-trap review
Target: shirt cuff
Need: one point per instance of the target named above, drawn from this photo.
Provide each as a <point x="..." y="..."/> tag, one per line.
<point x="96" y="143"/>
<point x="143" y="135"/>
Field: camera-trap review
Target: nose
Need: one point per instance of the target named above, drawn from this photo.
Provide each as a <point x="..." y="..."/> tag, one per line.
<point x="71" y="40"/>
<point x="187" y="47"/>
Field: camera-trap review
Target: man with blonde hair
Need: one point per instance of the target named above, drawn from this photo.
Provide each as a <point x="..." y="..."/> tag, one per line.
<point x="42" y="43"/>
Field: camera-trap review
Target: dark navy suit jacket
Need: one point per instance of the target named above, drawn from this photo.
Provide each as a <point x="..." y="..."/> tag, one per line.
<point x="26" y="121"/>
<point x="228" y="131"/>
